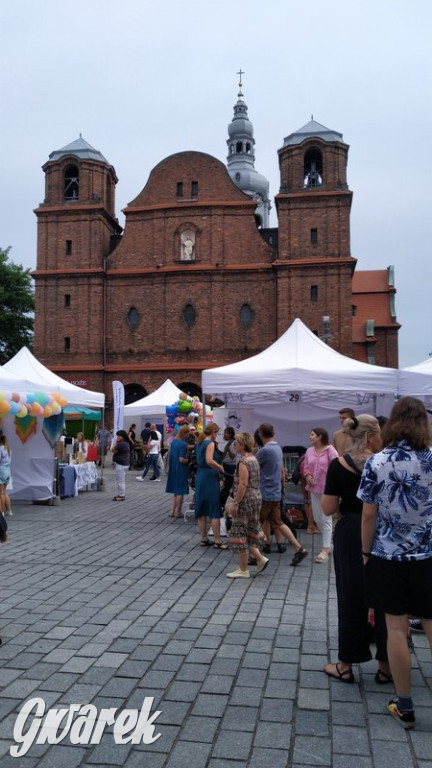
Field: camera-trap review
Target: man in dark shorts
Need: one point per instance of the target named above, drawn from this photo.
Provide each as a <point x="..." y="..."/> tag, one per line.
<point x="270" y="460"/>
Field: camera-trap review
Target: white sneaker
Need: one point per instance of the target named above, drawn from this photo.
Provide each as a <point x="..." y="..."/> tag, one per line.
<point x="261" y="564"/>
<point x="156" y="480"/>
<point x="8" y="512"/>
<point x="141" y="479"/>
<point x="238" y="574"/>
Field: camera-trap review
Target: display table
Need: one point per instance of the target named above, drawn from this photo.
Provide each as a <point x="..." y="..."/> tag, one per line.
<point x="77" y="477"/>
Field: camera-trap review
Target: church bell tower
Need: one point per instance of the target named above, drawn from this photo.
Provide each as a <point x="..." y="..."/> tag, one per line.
<point x="313" y="205"/>
<point x="76" y="231"/>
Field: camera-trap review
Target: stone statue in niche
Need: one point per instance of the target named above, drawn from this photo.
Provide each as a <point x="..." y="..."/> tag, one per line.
<point x="187" y="245"/>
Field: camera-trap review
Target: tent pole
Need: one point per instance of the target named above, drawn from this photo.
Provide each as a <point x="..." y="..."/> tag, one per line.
<point x="204" y="410"/>
<point x="101" y="484"/>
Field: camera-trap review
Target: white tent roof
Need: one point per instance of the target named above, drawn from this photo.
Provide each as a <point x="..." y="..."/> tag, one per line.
<point x="38" y="378"/>
<point x="416" y="380"/>
<point x="298" y="362"/>
<point x="167" y="394"/>
<point x="9" y="381"/>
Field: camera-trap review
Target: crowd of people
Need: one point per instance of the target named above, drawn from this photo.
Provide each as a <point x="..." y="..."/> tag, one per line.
<point x="368" y="495"/>
<point x="372" y="507"/>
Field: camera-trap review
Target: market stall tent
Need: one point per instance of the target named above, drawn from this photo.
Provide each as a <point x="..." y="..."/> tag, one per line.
<point x="297" y="383"/>
<point x="416" y="380"/>
<point x="155" y="403"/>
<point x="32" y="454"/>
<point x="36" y="376"/>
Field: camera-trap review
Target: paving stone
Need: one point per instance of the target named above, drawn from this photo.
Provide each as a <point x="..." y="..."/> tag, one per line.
<point x="312" y="750"/>
<point x="273" y="735"/>
<point x="264" y="758"/>
<point x="212" y="706"/>
<point x="350" y="741"/>
<point x="199" y="729"/>
<point x="187" y="754"/>
<point x="233" y="745"/>
<point x="313" y="723"/>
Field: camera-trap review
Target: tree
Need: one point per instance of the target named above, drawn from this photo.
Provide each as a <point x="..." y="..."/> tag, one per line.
<point x="16" y="307"/>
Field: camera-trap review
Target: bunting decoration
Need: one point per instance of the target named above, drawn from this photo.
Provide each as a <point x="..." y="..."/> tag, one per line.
<point x="24" y="427"/>
<point x="52" y="428"/>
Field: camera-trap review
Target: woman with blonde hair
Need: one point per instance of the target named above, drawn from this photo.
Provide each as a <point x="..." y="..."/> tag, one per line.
<point x="340" y="496"/>
<point x="207" y="491"/>
<point x="246" y="532"/>
<point x="178" y="471"/>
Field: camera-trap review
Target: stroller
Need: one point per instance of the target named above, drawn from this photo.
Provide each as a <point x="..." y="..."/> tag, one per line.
<point x="294" y="500"/>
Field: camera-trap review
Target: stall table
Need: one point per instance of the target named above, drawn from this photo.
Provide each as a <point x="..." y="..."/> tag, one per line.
<point x="77" y="477"/>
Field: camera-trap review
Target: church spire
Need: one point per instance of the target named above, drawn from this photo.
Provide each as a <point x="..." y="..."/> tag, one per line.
<point x="241" y="158"/>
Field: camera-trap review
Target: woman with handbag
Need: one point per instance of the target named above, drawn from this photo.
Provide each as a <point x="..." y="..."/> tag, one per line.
<point x="246" y="533"/>
<point x="340" y="497"/>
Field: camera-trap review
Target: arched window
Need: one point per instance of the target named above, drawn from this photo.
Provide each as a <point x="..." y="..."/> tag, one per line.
<point x="248" y="147"/>
<point x="134" y="392"/>
<point x="133" y="318"/>
<point x="246" y="315"/>
<point x="239" y="147"/>
<point x="71" y="183"/>
<point x="193" y="390"/>
<point x="313" y="168"/>
<point x="189" y="315"/>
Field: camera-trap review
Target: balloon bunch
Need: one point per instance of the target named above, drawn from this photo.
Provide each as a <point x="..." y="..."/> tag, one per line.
<point x="31" y="404"/>
<point x="185" y="411"/>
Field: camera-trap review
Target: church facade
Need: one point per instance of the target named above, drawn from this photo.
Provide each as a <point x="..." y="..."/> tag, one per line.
<point x="197" y="278"/>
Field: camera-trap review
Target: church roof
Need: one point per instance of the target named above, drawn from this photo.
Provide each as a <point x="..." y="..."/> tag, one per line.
<point x="79" y="148"/>
<point x="312" y="129"/>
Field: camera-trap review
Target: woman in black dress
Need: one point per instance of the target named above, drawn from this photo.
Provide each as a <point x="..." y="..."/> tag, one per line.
<point x="340" y="496"/>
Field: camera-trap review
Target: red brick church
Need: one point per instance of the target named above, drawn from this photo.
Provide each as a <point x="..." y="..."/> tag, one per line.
<point x="197" y="278"/>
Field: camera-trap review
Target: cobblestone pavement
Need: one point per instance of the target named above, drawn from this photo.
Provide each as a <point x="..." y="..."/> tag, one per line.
<point x="106" y="603"/>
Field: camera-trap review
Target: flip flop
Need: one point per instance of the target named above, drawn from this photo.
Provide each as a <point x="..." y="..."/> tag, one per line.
<point x="344" y="677"/>
<point x="220" y="545"/>
<point x="119" y="498"/>
<point x="382" y="678"/>
<point x="205" y="543"/>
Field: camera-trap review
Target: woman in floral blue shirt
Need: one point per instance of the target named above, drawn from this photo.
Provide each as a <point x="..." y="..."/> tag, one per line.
<point x="396" y="490"/>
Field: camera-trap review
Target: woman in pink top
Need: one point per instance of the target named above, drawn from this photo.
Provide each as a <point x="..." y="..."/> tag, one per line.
<point x="314" y="468"/>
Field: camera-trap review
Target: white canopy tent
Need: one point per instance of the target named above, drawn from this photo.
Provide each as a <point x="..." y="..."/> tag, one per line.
<point x="155" y="403"/>
<point x="416" y="380"/>
<point x="297" y="383"/>
<point x="33" y="461"/>
<point x="10" y="382"/>
<point x="39" y="378"/>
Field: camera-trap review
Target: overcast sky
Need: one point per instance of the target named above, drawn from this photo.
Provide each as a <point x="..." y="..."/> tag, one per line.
<point x="143" y="79"/>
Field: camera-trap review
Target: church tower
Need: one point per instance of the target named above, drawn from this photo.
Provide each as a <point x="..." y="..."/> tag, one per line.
<point x="314" y="260"/>
<point x="76" y="231"/>
<point x="241" y="160"/>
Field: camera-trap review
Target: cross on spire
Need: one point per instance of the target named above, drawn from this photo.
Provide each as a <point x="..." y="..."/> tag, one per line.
<point x="240" y="73"/>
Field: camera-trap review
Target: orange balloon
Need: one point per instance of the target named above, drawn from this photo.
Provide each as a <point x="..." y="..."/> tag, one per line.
<point x="4" y="407"/>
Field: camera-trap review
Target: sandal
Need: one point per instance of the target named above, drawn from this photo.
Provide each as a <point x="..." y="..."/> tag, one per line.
<point x="205" y="543"/>
<point x="220" y="545"/>
<point x="322" y="557"/>
<point x="119" y="498"/>
<point x="383" y="678"/>
<point x="344" y="677"/>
